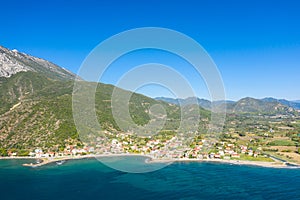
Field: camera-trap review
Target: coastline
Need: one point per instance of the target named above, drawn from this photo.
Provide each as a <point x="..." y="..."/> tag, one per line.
<point x="233" y="162"/>
<point x="18" y="157"/>
<point x="46" y="161"/>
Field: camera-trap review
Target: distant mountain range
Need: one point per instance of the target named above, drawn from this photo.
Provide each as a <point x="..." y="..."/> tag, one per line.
<point x="293" y="104"/>
<point x="245" y="105"/>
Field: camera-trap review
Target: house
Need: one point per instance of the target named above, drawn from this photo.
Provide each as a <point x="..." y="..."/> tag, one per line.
<point x="38" y="151"/>
<point x="134" y="147"/>
<point x="9" y="152"/>
<point x="91" y="149"/>
<point x="74" y="151"/>
<point x="235" y="155"/>
<point x="32" y="154"/>
<point x="212" y="155"/>
<point x="222" y="153"/>
<point x="217" y="156"/>
<point x="228" y="151"/>
<point x="197" y="148"/>
<point x="51" y="154"/>
<point x="114" y="142"/>
<point x="250" y="153"/>
<point x="244" y="148"/>
<point x="46" y="155"/>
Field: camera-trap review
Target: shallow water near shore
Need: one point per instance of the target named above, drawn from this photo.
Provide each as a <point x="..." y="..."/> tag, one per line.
<point x="90" y="179"/>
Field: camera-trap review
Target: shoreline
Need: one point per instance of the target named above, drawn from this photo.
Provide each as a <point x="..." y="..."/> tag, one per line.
<point x="46" y="161"/>
<point x="233" y="162"/>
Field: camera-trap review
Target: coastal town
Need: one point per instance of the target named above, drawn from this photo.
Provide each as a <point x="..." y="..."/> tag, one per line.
<point x="162" y="146"/>
<point x="269" y="139"/>
<point x="153" y="148"/>
<point x="168" y="148"/>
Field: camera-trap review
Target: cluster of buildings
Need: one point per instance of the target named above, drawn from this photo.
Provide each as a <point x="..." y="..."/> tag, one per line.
<point x="70" y="150"/>
<point x="172" y="148"/>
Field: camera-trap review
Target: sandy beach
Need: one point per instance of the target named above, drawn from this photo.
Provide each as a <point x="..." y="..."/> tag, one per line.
<point x="234" y="162"/>
<point x="45" y="161"/>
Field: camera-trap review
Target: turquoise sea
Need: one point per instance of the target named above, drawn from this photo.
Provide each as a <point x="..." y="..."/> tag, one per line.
<point x="89" y="179"/>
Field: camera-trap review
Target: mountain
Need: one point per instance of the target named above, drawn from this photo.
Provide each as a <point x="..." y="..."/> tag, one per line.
<point x="37" y="111"/>
<point x="206" y="104"/>
<point x="170" y="100"/>
<point x="293" y="104"/>
<point x="36" y="105"/>
<point x="251" y="105"/>
<point x="13" y="61"/>
<point x="245" y="105"/>
<point x="188" y="101"/>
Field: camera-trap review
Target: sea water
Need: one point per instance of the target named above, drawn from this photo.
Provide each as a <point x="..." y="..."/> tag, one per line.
<point x="90" y="179"/>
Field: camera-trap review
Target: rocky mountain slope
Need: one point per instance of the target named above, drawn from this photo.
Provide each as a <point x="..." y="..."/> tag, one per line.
<point x="12" y="62"/>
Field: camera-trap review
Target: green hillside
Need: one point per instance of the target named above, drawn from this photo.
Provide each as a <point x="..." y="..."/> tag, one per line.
<point x="36" y="111"/>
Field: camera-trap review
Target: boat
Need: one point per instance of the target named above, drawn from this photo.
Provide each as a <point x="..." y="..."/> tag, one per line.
<point x="60" y="162"/>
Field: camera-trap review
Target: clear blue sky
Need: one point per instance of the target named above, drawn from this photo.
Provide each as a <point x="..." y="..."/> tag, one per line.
<point x="255" y="44"/>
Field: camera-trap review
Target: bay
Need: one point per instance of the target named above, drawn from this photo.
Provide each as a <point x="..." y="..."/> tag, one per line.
<point x="90" y="179"/>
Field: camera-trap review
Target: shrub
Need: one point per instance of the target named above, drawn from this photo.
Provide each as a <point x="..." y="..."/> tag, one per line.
<point x="23" y="152"/>
<point x="281" y="143"/>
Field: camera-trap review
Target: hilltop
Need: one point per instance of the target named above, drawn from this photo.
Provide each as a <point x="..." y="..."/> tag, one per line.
<point x="268" y="106"/>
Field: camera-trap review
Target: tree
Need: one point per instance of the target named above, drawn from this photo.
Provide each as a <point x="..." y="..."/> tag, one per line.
<point x="242" y="134"/>
<point x="3" y="152"/>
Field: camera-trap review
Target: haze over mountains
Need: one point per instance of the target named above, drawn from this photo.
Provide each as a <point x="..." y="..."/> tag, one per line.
<point x="245" y="105"/>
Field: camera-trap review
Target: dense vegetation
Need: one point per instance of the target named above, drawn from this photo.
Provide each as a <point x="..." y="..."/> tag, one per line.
<point x="36" y="111"/>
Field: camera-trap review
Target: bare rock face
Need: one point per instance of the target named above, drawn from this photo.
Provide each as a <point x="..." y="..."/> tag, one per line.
<point x="12" y="62"/>
<point x="9" y="65"/>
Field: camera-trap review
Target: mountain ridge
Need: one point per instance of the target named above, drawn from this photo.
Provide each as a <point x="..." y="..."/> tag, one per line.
<point x="244" y="105"/>
<point x="13" y="61"/>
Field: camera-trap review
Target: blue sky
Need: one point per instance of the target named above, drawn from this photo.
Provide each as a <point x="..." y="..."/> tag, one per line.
<point x="255" y="44"/>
